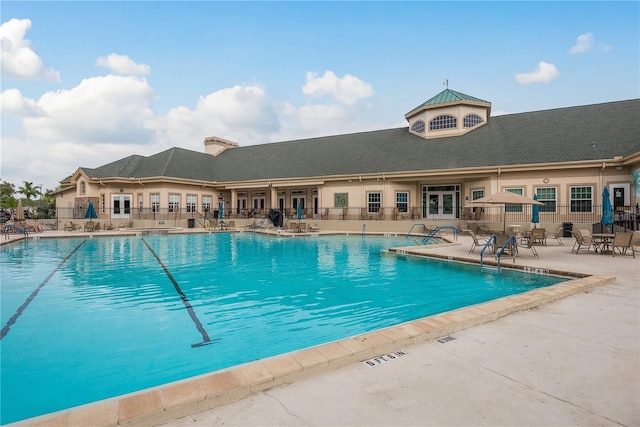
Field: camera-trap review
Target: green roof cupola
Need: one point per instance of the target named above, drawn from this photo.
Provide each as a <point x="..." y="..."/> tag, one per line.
<point x="449" y="113"/>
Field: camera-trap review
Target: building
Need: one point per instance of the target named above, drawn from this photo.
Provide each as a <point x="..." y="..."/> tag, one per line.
<point x="451" y="153"/>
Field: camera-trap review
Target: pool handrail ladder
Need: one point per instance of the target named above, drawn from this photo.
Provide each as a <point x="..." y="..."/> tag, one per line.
<point x="437" y="230"/>
<point x="492" y="239"/>
<point x="424" y="227"/>
<point x="8" y="227"/>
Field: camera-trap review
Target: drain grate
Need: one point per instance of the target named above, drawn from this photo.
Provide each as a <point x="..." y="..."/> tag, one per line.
<point x="446" y="339"/>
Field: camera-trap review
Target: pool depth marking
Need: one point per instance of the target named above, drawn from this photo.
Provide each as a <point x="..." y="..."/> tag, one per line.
<point x="18" y="313"/>
<point x="205" y="337"/>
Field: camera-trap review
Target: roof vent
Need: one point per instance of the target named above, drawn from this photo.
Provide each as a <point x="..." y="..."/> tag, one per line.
<point x="215" y="145"/>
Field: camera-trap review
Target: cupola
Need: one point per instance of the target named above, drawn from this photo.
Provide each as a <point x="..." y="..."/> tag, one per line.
<point x="449" y="113"/>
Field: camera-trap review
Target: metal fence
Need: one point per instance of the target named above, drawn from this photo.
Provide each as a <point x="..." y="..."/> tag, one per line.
<point x="626" y="216"/>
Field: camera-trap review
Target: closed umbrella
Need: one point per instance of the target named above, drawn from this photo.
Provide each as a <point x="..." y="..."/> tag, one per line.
<point x="299" y="211"/>
<point x="91" y="212"/>
<point x="503" y="198"/>
<point x="19" y="211"/>
<point x="535" y="213"/>
<point x="607" y="209"/>
<point x="221" y="207"/>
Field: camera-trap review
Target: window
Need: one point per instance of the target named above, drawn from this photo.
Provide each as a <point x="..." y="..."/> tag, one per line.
<point x="476" y="194"/>
<point x="471" y="120"/>
<point x="511" y="207"/>
<point x="140" y="198"/>
<point x="581" y="199"/>
<point x="374" y="202"/>
<point x="206" y="203"/>
<point x="418" y="126"/>
<point x="443" y="122"/>
<point x="174" y="203"/>
<point x="192" y="201"/>
<point x="547" y="195"/>
<point x="155" y="202"/>
<point x="83" y="187"/>
<point x="402" y="201"/>
<point x="103" y="203"/>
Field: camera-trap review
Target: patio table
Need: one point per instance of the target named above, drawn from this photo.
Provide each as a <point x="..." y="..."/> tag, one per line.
<point x="604" y="241"/>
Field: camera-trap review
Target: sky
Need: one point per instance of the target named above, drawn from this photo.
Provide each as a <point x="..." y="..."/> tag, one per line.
<point x="87" y="83"/>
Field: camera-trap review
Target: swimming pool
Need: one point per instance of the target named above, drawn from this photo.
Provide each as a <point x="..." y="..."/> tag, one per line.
<point x="116" y="315"/>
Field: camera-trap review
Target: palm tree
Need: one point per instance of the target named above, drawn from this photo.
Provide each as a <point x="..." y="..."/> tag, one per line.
<point x="29" y="190"/>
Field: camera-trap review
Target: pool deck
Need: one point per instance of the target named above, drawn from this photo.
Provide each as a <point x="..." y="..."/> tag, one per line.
<point x="564" y="355"/>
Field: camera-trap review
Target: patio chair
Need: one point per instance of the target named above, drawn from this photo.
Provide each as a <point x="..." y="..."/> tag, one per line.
<point x="89" y="226"/>
<point x="538" y="236"/>
<point x="556" y="235"/>
<point x="622" y="242"/>
<point x="501" y="240"/>
<point x="583" y="238"/>
<point x="314" y="227"/>
<point x="477" y="242"/>
<point x="530" y="244"/>
<point x="70" y="226"/>
<point x="108" y="225"/>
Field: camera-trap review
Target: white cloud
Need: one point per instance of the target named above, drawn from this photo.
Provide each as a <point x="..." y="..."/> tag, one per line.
<point x="583" y="44"/>
<point x="13" y="103"/>
<point x="241" y="113"/>
<point x="17" y="57"/>
<point x="349" y="89"/>
<point x="105" y="109"/>
<point x="544" y="73"/>
<point x="106" y="118"/>
<point x="122" y="64"/>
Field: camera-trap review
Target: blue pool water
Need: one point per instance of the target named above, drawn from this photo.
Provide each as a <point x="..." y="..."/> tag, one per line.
<point x="89" y="319"/>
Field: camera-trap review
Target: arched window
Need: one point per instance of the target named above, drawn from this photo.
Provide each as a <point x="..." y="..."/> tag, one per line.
<point x="83" y="187"/>
<point x="443" y="122"/>
<point x="418" y="127"/>
<point x="471" y="120"/>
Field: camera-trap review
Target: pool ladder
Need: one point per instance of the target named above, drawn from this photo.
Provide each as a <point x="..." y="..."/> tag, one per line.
<point x="494" y="239"/>
<point x="8" y="227"/>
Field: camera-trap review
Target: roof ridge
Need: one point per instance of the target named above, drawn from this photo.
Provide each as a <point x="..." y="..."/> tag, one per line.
<point x="172" y="150"/>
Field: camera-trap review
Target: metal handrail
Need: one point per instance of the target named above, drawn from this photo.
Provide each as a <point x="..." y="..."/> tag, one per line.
<point x="437" y="229"/>
<point x="492" y="239"/>
<point x="7" y="227"/>
<point x="424" y="227"/>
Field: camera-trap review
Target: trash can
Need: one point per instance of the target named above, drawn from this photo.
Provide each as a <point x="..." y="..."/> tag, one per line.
<point x="567" y="227"/>
<point x="191" y="222"/>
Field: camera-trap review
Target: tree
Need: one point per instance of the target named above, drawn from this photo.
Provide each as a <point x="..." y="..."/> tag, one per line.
<point x="29" y="190"/>
<point x="7" y="190"/>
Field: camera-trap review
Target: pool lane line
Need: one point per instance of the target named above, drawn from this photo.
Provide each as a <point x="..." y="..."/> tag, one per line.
<point x="18" y="313"/>
<point x="205" y="337"/>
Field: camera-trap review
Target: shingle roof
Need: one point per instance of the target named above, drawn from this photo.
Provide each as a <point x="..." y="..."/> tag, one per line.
<point x="600" y="131"/>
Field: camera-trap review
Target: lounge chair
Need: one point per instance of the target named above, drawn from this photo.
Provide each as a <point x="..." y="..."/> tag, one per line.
<point x="108" y="225"/>
<point x="314" y="227"/>
<point x="583" y="238"/>
<point x="622" y="242"/>
<point x="556" y="235"/>
<point x="477" y="242"/>
<point x="89" y="226"/>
